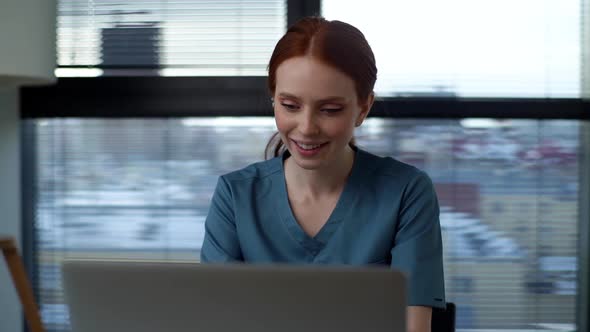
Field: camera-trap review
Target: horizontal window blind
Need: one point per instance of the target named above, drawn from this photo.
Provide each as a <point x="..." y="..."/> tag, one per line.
<point x="472" y="48"/>
<point x="168" y="37"/>
<point x="141" y="188"/>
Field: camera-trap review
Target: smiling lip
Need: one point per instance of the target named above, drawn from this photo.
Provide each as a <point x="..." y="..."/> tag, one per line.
<point x="308" y="152"/>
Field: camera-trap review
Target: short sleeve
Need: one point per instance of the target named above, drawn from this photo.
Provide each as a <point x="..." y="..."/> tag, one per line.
<point x="221" y="240"/>
<point x="417" y="249"/>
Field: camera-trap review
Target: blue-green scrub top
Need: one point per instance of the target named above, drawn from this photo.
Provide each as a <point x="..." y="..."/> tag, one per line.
<point x="387" y="214"/>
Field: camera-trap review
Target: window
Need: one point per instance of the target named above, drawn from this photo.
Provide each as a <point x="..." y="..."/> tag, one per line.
<point x="171" y="38"/>
<point x="466" y="48"/>
<point x="140" y="188"/>
<point x="498" y="207"/>
<point x="462" y="284"/>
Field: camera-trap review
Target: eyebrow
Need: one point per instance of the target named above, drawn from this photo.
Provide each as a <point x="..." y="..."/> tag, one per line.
<point x="321" y="101"/>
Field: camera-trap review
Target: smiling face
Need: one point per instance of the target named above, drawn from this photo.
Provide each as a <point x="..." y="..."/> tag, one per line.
<point x="316" y="110"/>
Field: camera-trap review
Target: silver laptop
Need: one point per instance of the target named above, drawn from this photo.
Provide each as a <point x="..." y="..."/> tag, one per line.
<point x="135" y="296"/>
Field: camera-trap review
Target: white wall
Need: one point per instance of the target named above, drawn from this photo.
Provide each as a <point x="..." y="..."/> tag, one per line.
<point x="27" y="36"/>
<point x="27" y="56"/>
<point x="10" y="221"/>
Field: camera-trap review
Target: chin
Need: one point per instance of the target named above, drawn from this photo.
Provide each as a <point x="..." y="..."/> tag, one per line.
<point x="309" y="165"/>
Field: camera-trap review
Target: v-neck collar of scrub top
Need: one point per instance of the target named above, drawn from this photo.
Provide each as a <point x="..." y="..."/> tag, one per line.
<point x="315" y="244"/>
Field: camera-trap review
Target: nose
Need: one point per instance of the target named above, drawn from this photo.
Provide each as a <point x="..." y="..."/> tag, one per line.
<point x="308" y="125"/>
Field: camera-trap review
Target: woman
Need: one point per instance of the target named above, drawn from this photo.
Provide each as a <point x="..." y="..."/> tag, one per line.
<point x="321" y="199"/>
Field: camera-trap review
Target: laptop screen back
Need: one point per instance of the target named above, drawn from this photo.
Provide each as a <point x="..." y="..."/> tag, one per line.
<point x="129" y="296"/>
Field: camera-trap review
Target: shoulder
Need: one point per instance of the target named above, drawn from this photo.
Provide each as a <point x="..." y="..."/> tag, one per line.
<point x="254" y="172"/>
<point x="388" y="169"/>
<point x="250" y="183"/>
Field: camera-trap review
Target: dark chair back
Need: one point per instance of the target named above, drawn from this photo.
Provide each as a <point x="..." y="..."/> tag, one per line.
<point x="443" y="320"/>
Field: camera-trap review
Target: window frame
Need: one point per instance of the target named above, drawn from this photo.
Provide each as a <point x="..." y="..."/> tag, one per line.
<point x="145" y="97"/>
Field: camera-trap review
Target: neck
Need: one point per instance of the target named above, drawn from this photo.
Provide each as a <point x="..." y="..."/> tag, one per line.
<point x="319" y="182"/>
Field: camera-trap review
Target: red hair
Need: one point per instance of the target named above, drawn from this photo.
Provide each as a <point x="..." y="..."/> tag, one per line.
<point x="334" y="43"/>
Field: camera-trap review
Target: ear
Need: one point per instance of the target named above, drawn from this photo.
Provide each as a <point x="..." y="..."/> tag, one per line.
<point x="365" y="109"/>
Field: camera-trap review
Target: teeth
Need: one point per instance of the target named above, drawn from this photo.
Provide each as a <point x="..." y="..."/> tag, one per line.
<point x="308" y="147"/>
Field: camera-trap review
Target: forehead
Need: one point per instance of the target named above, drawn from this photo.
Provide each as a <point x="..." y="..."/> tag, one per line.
<point x="311" y="80"/>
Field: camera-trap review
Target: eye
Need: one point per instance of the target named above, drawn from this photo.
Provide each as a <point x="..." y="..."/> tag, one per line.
<point x="289" y="107"/>
<point x="331" y="110"/>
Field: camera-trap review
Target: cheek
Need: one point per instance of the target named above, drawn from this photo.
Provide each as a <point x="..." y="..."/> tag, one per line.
<point x="343" y="128"/>
<point x="282" y="122"/>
